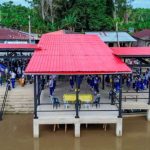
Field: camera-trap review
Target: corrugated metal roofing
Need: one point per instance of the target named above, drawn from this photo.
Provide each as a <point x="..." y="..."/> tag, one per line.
<point x="18" y="46"/>
<point x="142" y="34"/>
<point x="112" y="36"/>
<point x="132" y="51"/>
<point x="74" y="54"/>
<point x="11" y="34"/>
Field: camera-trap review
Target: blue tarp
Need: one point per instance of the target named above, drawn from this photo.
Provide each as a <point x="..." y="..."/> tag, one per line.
<point x="2" y="68"/>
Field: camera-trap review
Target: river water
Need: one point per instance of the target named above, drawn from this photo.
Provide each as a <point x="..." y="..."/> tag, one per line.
<point x="16" y="134"/>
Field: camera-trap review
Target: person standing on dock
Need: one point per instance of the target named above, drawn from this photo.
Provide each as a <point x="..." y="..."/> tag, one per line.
<point x="51" y="86"/>
<point x="13" y="78"/>
<point x="71" y="82"/>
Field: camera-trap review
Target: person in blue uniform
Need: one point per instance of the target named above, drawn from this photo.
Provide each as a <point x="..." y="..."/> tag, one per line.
<point x="88" y="80"/>
<point x="107" y="80"/>
<point x="92" y="82"/>
<point x="13" y="79"/>
<point x="128" y="82"/>
<point x="71" y="80"/>
<point x="51" y="86"/>
<point x="96" y="84"/>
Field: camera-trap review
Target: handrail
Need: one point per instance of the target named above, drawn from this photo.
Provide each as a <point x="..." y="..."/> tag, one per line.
<point x="4" y="102"/>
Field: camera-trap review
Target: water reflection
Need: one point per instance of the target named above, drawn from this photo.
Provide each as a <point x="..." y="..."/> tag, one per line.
<point x="118" y="143"/>
<point x="36" y="144"/>
<point x="77" y="144"/>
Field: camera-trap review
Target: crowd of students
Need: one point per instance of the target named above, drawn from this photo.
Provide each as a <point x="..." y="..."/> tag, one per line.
<point x="138" y="81"/>
<point x="14" y="70"/>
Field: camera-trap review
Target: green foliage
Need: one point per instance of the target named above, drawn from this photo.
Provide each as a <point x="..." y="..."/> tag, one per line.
<point x="139" y="19"/>
<point x="16" y="16"/>
<point x="76" y="15"/>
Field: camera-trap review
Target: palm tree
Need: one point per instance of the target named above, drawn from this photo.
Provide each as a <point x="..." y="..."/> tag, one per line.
<point x="69" y="22"/>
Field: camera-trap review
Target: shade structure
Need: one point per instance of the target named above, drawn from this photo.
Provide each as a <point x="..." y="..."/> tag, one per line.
<point x="74" y="54"/>
<point x="17" y="46"/>
<point x="132" y="51"/>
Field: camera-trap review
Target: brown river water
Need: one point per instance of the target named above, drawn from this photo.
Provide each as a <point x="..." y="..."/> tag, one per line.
<point x="16" y="134"/>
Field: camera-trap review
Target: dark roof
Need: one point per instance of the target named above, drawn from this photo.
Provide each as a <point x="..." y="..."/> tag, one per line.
<point x="11" y="34"/>
<point x="142" y="34"/>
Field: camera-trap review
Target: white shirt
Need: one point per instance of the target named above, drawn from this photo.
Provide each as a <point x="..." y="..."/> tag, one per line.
<point x="13" y="75"/>
<point x="51" y="83"/>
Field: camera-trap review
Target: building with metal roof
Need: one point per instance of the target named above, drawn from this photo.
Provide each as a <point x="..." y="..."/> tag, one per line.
<point x="8" y="35"/>
<point x="111" y="38"/>
<point x="74" y="54"/>
<point x="143" y="37"/>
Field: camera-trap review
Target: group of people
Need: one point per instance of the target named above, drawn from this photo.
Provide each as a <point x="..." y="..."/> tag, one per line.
<point x="14" y="70"/>
<point x="92" y="81"/>
<point x="139" y="81"/>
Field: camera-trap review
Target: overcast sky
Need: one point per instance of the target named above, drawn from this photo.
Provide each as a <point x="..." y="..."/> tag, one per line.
<point x="136" y="3"/>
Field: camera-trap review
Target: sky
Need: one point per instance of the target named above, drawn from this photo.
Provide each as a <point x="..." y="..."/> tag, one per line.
<point x="136" y="3"/>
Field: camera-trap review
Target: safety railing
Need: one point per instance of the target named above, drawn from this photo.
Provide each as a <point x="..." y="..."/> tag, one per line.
<point x="4" y="102"/>
<point x="65" y="107"/>
<point x="134" y="96"/>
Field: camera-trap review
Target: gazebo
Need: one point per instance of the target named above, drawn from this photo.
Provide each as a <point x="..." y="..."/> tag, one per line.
<point x="74" y="54"/>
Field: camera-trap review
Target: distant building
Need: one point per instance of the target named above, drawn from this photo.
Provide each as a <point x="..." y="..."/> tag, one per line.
<point x="110" y="38"/>
<point x="143" y="37"/>
<point x="15" y="36"/>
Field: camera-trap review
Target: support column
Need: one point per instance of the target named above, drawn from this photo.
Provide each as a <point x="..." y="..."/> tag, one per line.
<point x="77" y="129"/>
<point x="120" y="98"/>
<point x="119" y="127"/>
<point x="35" y="128"/>
<point x="35" y="97"/>
<point x="103" y="82"/>
<point x="149" y="92"/>
<point x="112" y="96"/>
<point x="148" y="114"/>
<point x="77" y="98"/>
<point x="148" y="111"/>
<point x="21" y="61"/>
<point x="39" y="93"/>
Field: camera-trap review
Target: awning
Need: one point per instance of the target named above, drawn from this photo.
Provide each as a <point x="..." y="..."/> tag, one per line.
<point x="74" y="54"/>
<point x="131" y="51"/>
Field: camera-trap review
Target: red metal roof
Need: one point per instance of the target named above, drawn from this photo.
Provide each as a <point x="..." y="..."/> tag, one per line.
<point x="11" y="34"/>
<point x="18" y="46"/>
<point x="132" y="51"/>
<point x="74" y="54"/>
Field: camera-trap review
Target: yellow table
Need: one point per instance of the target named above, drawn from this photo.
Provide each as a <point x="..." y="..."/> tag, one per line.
<point x="82" y="97"/>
